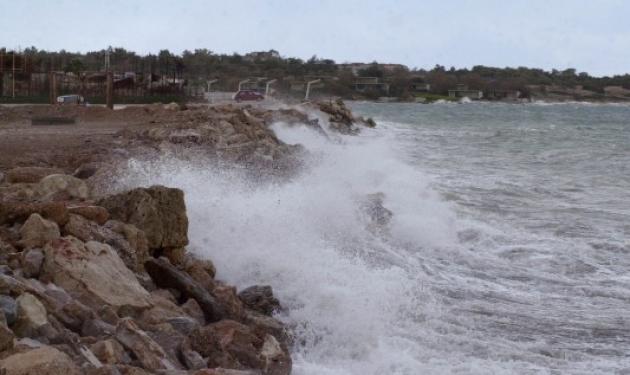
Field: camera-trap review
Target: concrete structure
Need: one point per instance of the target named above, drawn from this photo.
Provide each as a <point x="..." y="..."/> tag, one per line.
<point x="462" y="91"/>
<point x="370" y="84"/>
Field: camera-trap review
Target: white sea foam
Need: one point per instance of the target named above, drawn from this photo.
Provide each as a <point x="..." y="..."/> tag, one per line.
<point x="439" y="293"/>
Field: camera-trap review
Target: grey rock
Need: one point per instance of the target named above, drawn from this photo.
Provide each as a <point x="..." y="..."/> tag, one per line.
<point x="260" y="298"/>
<point x="32" y="260"/>
<point x="9" y="308"/>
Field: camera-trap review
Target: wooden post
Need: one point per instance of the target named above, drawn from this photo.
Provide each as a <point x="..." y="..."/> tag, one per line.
<point x="109" y="91"/>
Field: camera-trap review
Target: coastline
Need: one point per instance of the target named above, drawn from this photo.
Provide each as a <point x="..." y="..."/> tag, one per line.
<point x="96" y="277"/>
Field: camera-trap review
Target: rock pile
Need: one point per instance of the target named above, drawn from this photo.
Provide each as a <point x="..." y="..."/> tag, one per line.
<point x="341" y="118"/>
<point x="107" y="287"/>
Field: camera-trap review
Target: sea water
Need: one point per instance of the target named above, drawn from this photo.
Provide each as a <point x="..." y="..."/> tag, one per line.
<point x="508" y="250"/>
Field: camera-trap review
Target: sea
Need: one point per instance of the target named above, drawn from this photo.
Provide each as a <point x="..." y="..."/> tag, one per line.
<point x="508" y="249"/>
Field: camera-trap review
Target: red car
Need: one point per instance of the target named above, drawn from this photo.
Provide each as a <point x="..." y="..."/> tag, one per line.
<point x="245" y="95"/>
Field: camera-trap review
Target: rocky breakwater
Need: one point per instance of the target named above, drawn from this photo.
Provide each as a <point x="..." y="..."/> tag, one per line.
<point x="106" y="286"/>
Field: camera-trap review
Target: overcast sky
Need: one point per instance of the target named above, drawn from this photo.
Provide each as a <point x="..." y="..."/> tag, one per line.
<point x="589" y="35"/>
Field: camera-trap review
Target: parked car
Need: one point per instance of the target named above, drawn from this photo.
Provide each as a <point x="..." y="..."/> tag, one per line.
<point x="70" y="99"/>
<point x="245" y="95"/>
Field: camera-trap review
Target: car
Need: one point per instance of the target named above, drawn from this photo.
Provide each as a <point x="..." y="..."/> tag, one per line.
<point x="70" y="99"/>
<point x="247" y="95"/>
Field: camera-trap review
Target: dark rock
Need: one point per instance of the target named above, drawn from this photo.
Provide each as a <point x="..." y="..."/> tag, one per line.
<point x="97" y="328"/>
<point x="260" y="298"/>
<point x="166" y="276"/>
<point x="6" y="335"/>
<point x="9" y="308"/>
<point x="86" y="170"/>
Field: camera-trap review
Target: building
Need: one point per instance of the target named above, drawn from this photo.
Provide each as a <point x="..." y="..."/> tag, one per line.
<point x="420" y="87"/>
<point x="370" y="84"/>
<point x="462" y="91"/>
<point x="502" y="94"/>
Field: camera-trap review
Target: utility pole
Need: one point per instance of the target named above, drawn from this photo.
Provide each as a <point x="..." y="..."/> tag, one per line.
<point x="241" y="83"/>
<point x="210" y="82"/>
<point x="13" y="71"/>
<point x="308" y="88"/>
<point x="267" y="86"/>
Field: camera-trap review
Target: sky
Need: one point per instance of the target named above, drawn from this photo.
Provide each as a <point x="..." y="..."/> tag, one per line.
<point x="588" y="35"/>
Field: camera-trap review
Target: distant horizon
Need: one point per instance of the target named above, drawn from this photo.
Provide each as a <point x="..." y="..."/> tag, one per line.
<point x="588" y="36"/>
<point x="243" y="53"/>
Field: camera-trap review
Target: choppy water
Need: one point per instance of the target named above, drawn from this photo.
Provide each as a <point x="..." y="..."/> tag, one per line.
<point x="508" y="252"/>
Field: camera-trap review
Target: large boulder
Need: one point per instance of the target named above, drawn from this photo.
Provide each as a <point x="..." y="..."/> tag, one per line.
<point x="232" y="345"/>
<point x="37" y="231"/>
<point x="93" y="273"/>
<point x="45" y="360"/>
<point x="260" y="298"/>
<point x="62" y="187"/>
<point x="29" y="174"/>
<point x="158" y="211"/>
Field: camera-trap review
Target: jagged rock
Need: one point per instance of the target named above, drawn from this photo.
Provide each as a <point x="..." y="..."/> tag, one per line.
<point x="29" y="174"/>
<point x="148" y="352"/>
<point x="98" y="214"/>
<point x="230" y="344"/>
<point x="227" y="297"/>
<point x="183" y="324"/>
<point x="62" y="187"/>
<point x="31" y="315"/>
<point x="192" y="359"/>
<point x="93" y="273"/>
<point x="6" y="335"/>
<point x="260" y="298"/>
<point x="110" y="352"/>
<point x="192" y="308"/>
<point x="2" y="177"/>
<point x="276" y="358"/>
<point x="10" y="285"/>
<point x="166" y="276"/>
<point x="162" y="310"/>
<point x="191" y="263"/>
<point x="10" y="211"/>
<point x="175" y="255"/>
<point x="135" y="237"/>
<point x="263" y="325"/>
<point x="41" y="361"/>
<point x="170" y="340"/>
<point x="70" y="312"/>
<point x="97" y="328"/>
<point x="158" y="211"/>
<point x="37" y="231"/>
<point x="32" y="261"/>
<point x="85" y="230"/>
<point x="8" y="306"/>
